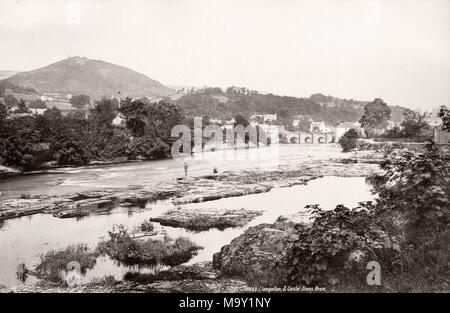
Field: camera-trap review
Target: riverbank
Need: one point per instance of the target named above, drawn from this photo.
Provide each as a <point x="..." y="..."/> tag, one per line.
<point x="8" y="171"/>
<point x="200" y="277"/>
<point x="53" y="165"/>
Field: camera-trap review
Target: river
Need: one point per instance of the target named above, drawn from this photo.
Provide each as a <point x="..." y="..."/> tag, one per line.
<point x="24" y="239"/>
<point x="71" y="179"/>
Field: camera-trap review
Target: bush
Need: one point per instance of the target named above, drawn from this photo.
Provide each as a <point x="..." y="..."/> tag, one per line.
<point x="348" y="140"/>
<point x="335" y="250"/>
<point x="22" y="272"/>
<point x="129" y="252"/>
<point x="414" y="189"/>
<point x="18" y="140"/>
<point x="145" y="226"/>
<point x="405" y="230"/>
<point x="148" y="147"/>
<point x="53" y="263"/>
<point x="69" y="149"/>
<point x="425" y="268"/>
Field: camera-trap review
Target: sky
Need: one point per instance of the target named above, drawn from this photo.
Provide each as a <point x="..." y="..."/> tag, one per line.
<point x="362" y="49"/>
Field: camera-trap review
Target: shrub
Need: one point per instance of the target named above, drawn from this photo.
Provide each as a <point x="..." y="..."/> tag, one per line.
<point x="22" y="272"/>
<point x="25" y="196"/>
<point x="415" y="189"/>
<point x="425" y="268"/>
<point x="148" y="147"/>
<point x="107" y="280"/>
<point x="129" y="252"/>
<point x="53" y="263"/>
<point x="348" y="140"/>
<point x="145" y="226"/>
<point x="69" y="149"/>
<point x="334" y="251"/>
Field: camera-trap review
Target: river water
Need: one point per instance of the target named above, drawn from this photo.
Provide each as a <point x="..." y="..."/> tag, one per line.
<point x="24" y="239"/>
<point x="63" y="180"/>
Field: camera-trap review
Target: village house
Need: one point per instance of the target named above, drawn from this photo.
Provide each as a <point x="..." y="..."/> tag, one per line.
<point x="264" y="117"/>
<point x="215" y="121"/>
<point x="229" y="124"/>
<point x="319" y="127"/>
<point x="343" y="127"/>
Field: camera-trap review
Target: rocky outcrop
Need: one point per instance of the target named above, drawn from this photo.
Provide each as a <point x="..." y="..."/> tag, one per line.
<point x="83" y="203"/>
<point x="204" y="219"/>
<point x="258" y="256"/>
<point x="183" y="190"/>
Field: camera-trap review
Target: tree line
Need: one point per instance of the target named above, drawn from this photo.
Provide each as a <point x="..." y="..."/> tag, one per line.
<point x="87" y="133"/>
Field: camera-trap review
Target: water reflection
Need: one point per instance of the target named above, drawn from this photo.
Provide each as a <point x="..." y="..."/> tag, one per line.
<point x="24" y="239"/>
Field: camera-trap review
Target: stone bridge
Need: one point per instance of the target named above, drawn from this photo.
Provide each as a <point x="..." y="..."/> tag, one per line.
<point x="310" y="138"/>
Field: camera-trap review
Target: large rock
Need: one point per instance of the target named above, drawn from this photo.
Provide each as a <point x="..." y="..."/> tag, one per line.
<point x="259" y="256"/>
<point x="204" y="219"/>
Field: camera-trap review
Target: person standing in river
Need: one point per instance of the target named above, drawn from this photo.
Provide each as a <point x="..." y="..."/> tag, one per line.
<point x="185" y="169"/>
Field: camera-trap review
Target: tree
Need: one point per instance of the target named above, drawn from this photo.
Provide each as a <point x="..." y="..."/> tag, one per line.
<point x="161" y="118"/>
<point x="18" y="139"/>
<point x="80" y="101"/>
<point x="415" y="125"/>
<point x="48" y="123"/>
<point x="444" y="114"/>
<point x="69" y="148"/>
<point x="2" y="90"/>
<point x="103" y="113"/>
<point x="134" y="113"/>
<point x="376" y="116"/>
<point x="348" y="140"/>
<point x="3" y="111"/>
<point x="240" y="120"/>
<point x="22" y="107"/>
<point x="10" y="101"/>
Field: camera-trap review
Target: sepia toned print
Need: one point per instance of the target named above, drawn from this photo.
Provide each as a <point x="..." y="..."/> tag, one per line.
<point x="193" y="146"/>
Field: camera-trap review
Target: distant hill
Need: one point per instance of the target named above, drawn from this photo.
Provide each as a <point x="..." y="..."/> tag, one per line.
<point x="6" y="74"/>
<point x="80" y="75"/>
<point x="358" y="106"/>
<point x="317" y="107"/>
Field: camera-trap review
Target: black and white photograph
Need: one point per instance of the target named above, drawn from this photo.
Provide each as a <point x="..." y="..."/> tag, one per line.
<point x="211" y="147"/>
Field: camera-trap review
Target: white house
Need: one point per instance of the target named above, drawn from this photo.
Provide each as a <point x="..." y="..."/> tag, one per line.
<point x="264" y="117"/>
<point x="37" y="111"/>
<point x="229" y="124"/>
<point x="343" y="127"/>
<point x="215" y="121"/>
<point x="118" y="121"/>
<point x="319" y="127"/>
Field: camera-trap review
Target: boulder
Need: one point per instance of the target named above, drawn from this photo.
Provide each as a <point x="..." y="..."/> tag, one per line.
<point x="204" y="219"/>
<point x="259" y="255"/>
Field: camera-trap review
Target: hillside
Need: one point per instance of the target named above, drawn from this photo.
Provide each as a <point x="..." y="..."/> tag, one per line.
<point x="80" y="75"/>
<point x="6" y="74"/>
<point x="214" y="103"/>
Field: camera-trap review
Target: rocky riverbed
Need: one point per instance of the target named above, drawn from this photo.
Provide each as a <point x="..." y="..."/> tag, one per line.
<point x="248" y="258"/>
<point x="183" y="190"/>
